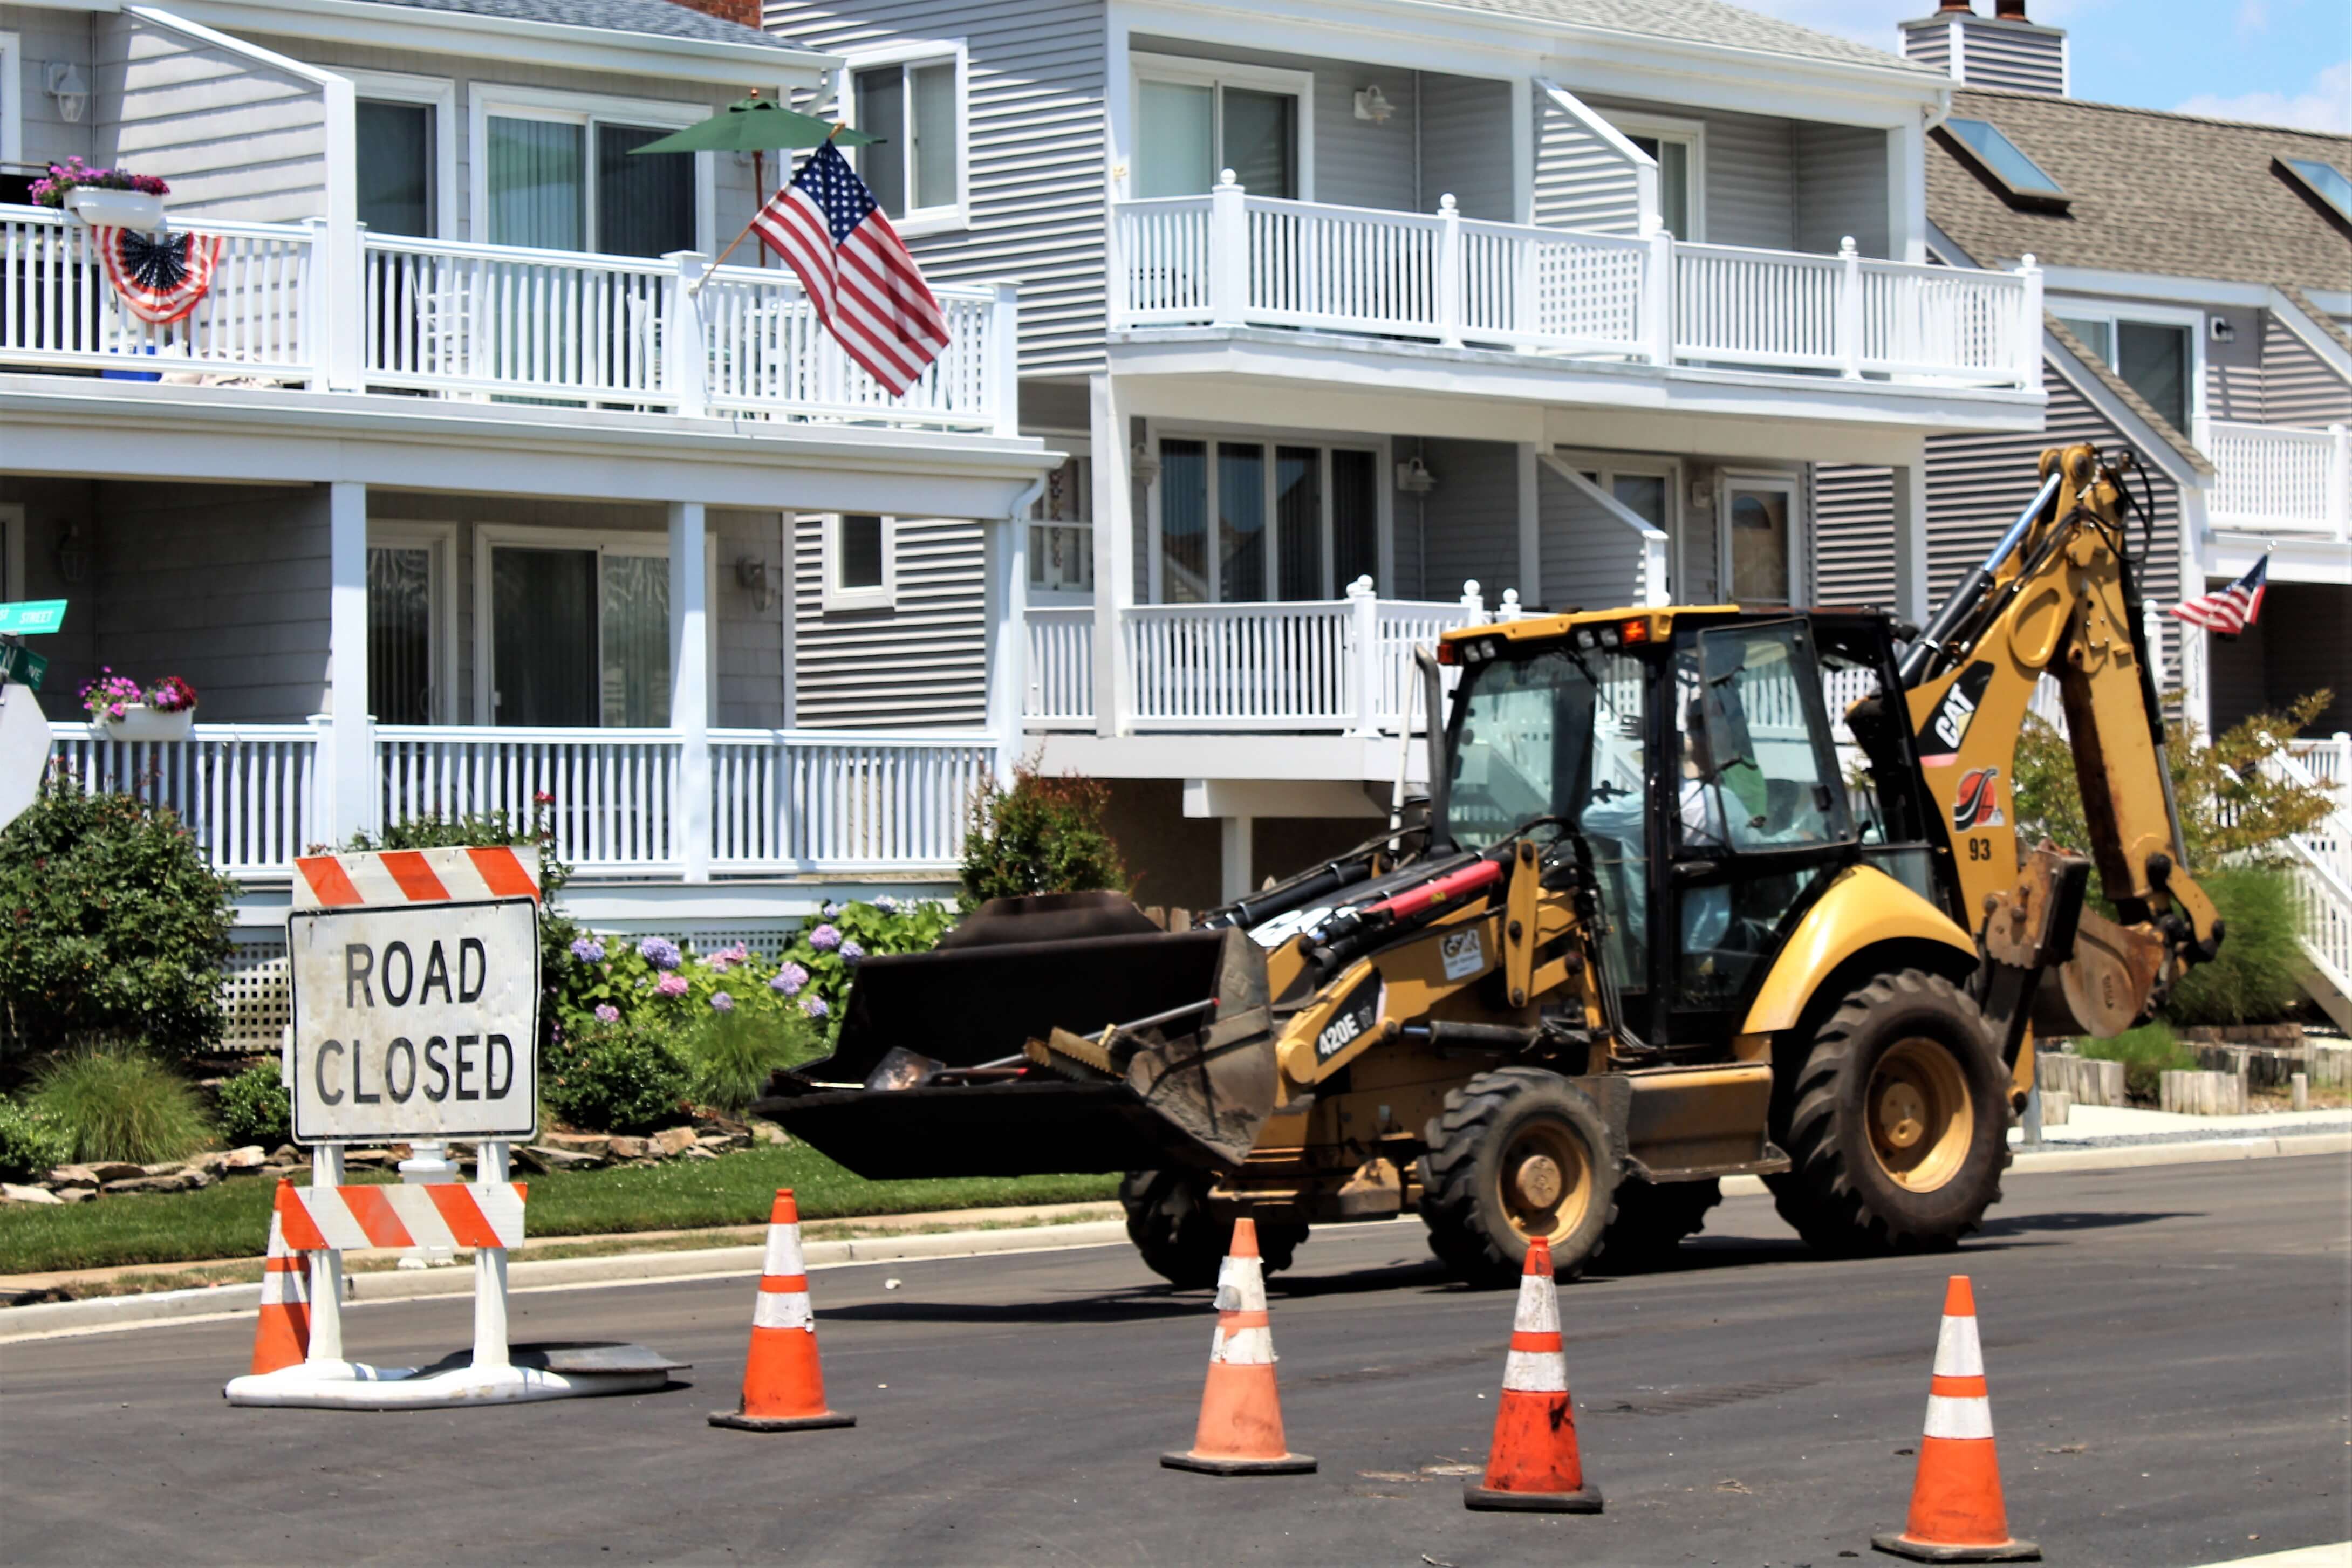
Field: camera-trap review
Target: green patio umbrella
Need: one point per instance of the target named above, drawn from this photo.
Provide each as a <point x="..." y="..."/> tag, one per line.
<point x="758" y="125"/>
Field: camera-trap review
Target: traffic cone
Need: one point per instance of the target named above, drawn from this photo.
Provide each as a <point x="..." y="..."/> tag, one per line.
<point x="281" y="1336"/>
<point x="1956" y="1515"/>
<point x="1534" y="1466"/>
<point x="784" y="1387"/>
<point x="1241" y="1412"/>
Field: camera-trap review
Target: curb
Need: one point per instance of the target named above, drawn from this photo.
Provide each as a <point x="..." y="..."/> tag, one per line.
<point x="104" y="1313"/>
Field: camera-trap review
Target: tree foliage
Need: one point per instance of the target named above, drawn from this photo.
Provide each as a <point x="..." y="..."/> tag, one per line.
<point x="1043" y="835"/>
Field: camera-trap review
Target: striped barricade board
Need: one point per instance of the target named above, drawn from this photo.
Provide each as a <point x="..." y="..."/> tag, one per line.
<point x="446" y="1215"/>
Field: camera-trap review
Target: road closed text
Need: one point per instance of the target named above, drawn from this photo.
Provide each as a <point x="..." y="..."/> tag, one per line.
<point x="416" y="1021"/>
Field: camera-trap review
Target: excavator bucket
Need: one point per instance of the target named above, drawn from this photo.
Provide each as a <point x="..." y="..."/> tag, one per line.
<point x="1061" y="1033"/>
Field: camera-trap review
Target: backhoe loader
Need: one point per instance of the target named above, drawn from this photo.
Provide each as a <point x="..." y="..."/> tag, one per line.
<point x="1698" y="891"/>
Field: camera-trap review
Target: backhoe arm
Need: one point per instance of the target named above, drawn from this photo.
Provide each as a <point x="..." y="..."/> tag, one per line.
<point x="2057" y="598"/>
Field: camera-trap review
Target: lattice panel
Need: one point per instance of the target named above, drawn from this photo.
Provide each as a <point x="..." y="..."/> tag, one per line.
<point x="253" y="993"/>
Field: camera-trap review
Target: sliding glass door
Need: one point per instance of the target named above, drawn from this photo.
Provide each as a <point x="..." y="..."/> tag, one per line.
<point x="1287" y="522"/>
<point x="579" y="638"/>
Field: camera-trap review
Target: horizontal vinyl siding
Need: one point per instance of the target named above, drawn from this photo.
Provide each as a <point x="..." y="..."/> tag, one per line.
<point x="921" y="664"/>
<point x="1581" y="181"/>
<point x="1750" y="182"/>
<point x="1036" y="137"/>
<point x="1853" y="523"/>
<point x="1465" y="145"/>
<point x="748" y="676"/>
<point x="2027" y="59"/>
<point x="2298" y="387"/>
<point x="43" y="35"/>
<point x="1930" y="46"/>
<point x="1474" y="520"/>
<point x="1841" y="187"/>
<point x="234" y="140"/>
<point x="1592" y="561"/>
<point x="2234" y="369"/>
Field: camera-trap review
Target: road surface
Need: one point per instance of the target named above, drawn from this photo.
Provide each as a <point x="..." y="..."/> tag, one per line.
<point x="2166" y="1349"/>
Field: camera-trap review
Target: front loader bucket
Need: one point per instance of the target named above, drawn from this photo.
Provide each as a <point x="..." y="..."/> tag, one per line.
<point x="1191" y="1091"/>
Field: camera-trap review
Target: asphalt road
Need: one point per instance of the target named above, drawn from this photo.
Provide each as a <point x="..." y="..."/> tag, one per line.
<point x="2167" y="1353"/>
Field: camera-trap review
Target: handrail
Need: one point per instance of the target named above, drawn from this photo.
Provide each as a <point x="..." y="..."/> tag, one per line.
<point x="236" y="228"/>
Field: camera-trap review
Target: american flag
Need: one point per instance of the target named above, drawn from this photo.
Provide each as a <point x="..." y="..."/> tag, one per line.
<point x="867" y="290"/>
<point x="2233" y="608"/>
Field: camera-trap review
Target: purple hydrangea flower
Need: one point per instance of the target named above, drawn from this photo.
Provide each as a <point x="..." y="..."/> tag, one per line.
<point x="588" y="950"/>
<point x="670" y="985"/>
<point x="886" y="904"/>
<point x="789" y="980"/>
<point x="851" y="952"/>
<point x="815" y="1007"/>
<point x="828" y="909"/>
<point x="607" y="1013"/>
<point x="825" y="938"/>
<point x="660" y="952"/>
<point x="722" y="1002"/>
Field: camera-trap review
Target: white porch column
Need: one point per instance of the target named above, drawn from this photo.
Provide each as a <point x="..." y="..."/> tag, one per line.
<point x="1530" y="583"/>
<point x="1006" y="545"/>
<point x="1113" y="529"/>
<point x="347" y="772"/>
<point x="689" y="685"/>
<point x="1233" y="833"/>
<point x="1911" y="542"/>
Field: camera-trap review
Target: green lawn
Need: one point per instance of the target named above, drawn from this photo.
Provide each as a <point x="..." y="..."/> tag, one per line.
<point x="232" y="1219"/>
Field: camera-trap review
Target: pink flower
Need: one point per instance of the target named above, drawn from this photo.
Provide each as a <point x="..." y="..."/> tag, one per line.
<point x="670" y="985"/>
<point x="607" y="1013"/>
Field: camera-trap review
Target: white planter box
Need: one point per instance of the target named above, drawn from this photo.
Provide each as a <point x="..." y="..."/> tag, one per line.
<point x="116" y="209"/>
<point x="139" y="721"/>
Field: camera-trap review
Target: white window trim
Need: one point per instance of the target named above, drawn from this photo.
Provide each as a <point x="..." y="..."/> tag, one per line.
<point x="440" y="95"/>
<point x="1383" y="493"/>
<point x="920" y="221"/>
<point x="15" y="81"/>
<point x="1788" y="484"/>
<point x="837" y="596"/>
<point x="13" y="586"/>
<point x="440" y="540"/>
<point x="2074" y="308"/>
<point x="588" y="109"/>
<point x="1143" y="67"/>
<point x="1080" y="446"/>
<point x="1691" y="133"/>
<point x="604" y="541"/>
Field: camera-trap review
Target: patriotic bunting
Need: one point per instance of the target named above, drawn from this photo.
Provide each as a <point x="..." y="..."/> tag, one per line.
<point x="161" y="277"/>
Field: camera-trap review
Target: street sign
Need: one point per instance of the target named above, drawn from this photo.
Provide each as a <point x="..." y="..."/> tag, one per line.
<point x="21" y="666"/>
<point x="414" y="1021"/>
<point x="32" y="617"/>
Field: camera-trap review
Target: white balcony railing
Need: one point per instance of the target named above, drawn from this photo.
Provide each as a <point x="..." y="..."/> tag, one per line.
<point x="1229" y="258"/>
<point x="2276" y="479"/>
<point x="244" y="790"/>
<point x="475" y="322"/>
<point x="816" y="801"/>
<point x="1061" y="669"/>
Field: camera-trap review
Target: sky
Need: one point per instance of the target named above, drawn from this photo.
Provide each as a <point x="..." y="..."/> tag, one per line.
<point x="2284" y="62"/>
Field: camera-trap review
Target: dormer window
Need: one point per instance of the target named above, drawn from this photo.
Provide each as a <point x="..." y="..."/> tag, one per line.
<point x="2325" y="181"/>
<point x="2018" y="177"/>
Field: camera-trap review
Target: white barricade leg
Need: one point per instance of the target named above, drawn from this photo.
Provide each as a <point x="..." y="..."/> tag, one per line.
<point x="490" y="1273"/>
<point x="327" y="1266"/>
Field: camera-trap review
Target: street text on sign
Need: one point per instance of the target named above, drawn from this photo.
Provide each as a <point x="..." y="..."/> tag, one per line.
<point x="32" y="617"/>
<point x="414" y="1021"/>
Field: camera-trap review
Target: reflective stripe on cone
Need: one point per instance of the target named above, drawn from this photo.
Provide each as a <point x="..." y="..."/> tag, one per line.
<point x="783" y="1383"/>
<point x="1957" y="1512"/>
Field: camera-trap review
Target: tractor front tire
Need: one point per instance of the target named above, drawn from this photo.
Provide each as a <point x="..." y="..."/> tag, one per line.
<point x="1653" y="1219"/>
<point x="1516" y="1153"/>
<point x="1898" y="1122"/>
<point x="1182" y="1240"/>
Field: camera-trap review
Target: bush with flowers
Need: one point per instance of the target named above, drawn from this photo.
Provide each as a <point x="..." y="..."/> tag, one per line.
<point x="50" y="190"/>
<point x="817" y="968"/>
<point x="111" y="695"/>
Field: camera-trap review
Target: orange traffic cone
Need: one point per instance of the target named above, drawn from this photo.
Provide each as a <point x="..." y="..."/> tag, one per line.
<point x="281" y="1337"/>
<point x="784" y="1387"/>
<point x="1956" y="1515"/>
<point x="1241" y="1412"/>
<point x="1534" y="1466"/>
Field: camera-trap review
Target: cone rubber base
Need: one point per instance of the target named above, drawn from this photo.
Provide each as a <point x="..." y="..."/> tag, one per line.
<point x="1486" y="1499"/>
<point x="1902" y="1545"/>
<point x="1207" y="1464"/>
<point x="743" y="1423"/>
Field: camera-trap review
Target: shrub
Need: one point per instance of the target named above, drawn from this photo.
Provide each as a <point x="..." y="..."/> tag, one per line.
<point x="254" y="1109"/>
<point x="732" y="1049"/>
<point x="1043" y="835"/>
<point x="117" y="1101"/>
<point x="2145" y="1052"/>
<point x="2254" y="977"/>
<point x="813" y="973"/>
<point x="111" y="924"/>
<point x="31" y="1143"/>
<point x="615" y="1078"/>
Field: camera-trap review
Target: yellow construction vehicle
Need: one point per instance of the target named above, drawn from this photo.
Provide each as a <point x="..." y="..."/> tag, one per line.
<point x="1700" y="891"/>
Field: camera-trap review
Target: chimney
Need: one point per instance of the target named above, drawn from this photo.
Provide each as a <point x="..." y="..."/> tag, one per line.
<point x="2006" y="49"/>
<point x="742" y="13"/>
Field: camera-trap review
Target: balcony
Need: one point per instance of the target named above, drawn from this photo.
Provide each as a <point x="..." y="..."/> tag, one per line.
<point x="2275" y="479"/>
<point x="1231" y="260"/>
<point x="471" y="323"/>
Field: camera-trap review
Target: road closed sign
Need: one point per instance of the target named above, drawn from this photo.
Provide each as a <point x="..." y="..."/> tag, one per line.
<point x="415" y="1020"/>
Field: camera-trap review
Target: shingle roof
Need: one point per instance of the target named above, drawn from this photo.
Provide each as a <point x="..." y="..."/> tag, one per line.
<point x="2151" y="192"/>
<point x="2123" y="393"/>
<point x="1698" y="21"/>
<point x="659" y="18"/>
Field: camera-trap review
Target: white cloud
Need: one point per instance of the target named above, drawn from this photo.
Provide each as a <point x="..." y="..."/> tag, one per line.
<point x="2325" y="105"/>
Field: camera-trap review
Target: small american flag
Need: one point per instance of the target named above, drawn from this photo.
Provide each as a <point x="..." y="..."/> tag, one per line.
<point x="867" y="290"/>
<point x="2233" y="608"/>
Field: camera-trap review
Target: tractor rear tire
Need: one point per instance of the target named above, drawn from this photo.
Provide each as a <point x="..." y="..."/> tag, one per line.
<point x="1898" y="1122"/>
<point x="1182" y="1240"/>
<point x="1516" y="1153"/>
<point x="1653" y="1219"/>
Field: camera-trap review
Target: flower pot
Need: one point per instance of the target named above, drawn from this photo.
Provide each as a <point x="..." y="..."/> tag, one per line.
<point x="139" y="721"/>
<point x="116" y="209"/>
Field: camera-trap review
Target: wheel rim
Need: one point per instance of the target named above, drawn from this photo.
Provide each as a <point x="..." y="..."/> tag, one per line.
<point x="1921" y="1116"/>
<point x="1544" y="1182"/>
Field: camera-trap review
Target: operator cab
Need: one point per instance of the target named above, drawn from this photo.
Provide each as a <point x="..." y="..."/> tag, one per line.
<point x="1696" y="753"/>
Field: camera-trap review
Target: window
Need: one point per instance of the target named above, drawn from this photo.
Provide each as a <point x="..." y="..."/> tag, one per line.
<point x="579" y="634"/>
<point x="915" y="103"/>
<point x="409" y="658"/>
<point x="861" y="567"/>
<point x="1195" y="119"/>
<point x="1289" y="521"/>
<point x="407" y="128"/>
<point x="12" y="106"/>
<point x="558" y="176"/>
<point x="1061" y="540"/>
<point x="1759" y="541"/>
<point x="2325" y="181"/>
<point x="1677" y="153"/>
<point x="1981" y="142"/>
<point x="2157" y="359"/>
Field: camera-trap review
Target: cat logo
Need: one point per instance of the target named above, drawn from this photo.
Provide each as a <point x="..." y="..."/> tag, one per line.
<point x="1978" y="805"/>
<point x="1465" y="956"/>
<point x="1947" y="725"/>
